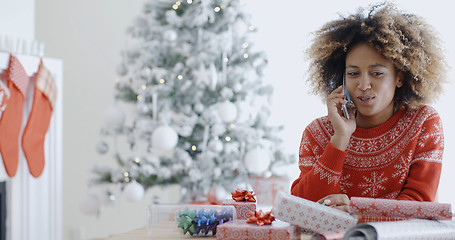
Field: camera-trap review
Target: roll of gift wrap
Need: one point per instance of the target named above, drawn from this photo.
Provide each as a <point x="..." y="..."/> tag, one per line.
<point x="310" y="215"/>
<point x="400" y="208"/>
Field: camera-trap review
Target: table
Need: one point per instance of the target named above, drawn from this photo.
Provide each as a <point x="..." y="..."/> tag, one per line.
<point x="165" y="231"/>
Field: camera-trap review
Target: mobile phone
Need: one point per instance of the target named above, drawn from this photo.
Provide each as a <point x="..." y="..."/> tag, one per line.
<point x="345" y="107"/>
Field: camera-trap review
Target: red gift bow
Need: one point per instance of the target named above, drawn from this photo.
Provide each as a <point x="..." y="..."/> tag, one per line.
<point x="243" y="195"/>
<point x="260" y="218"/>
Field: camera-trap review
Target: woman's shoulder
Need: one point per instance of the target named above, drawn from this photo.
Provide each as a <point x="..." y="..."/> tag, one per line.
<point x="320" y="123"/>
<point x="422" y="114"/>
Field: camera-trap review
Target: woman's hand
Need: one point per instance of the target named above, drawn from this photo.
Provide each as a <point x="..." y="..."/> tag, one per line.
<point x="338" y="201"/>
<point x="342" y="126"/>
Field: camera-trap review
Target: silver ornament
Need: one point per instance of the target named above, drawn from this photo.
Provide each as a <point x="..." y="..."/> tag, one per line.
<point x="102" y="147"/>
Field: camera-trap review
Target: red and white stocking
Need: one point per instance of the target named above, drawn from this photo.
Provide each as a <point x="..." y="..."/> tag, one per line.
<point x="11" y="119"/>
<point x="45" y="94"/>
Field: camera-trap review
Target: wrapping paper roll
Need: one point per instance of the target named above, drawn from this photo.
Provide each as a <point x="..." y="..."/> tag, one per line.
<point x="400" y="208"/>
<point x="310" y="215"/>
<point x="403" y="230"/>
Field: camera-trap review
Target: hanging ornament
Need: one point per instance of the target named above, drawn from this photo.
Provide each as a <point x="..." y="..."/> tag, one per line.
<point x="214" y="77"/>
<point x="133" y="191"/>
<point x="114" y="117"/>
<point x="227" y="111"/>
<point x="90" y="204"/>
<point x="102" y="147"/>
<point x="170" y="35"/>
<point x="257" y="161"/>
<point x="198" y="107"/>
<point x="142" y="108"/>
<point x="215" y="145"/>
<point x="203" y="76"/>
<point x="122" y="70"/>
<point x="164" y="138"/>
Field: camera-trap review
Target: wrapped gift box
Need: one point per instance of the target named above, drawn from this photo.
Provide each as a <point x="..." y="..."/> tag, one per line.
<point x="240" y="230"/>
<point x="392" y="208"/>
<point x="267" y="188"/>
<point x="310" y="215"/>
<point x="243" y="208"/>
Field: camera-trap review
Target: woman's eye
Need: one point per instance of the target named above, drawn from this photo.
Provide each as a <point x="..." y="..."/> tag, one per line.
<point x="376" y="73"/>
<point x="352" y="73"/>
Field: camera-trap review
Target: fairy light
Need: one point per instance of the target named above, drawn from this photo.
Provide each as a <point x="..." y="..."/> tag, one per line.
<point x="175" y="6"/>
<point x="143" y="87"/>
<point x="139" y="97"/>
<point x="232" y="125"/>
<point x="189" y="1"/>
<point x="245" y="45"/>
<point x="223" y="6"/>
<point x="245" y="55"/>
<point x="217" y="9"/>
<point x="178" y="3"/>
<point x="126" y="174"/>
<point x="226" y="59"/>
<point x="251" y="28"/>
<point x="180" y="77"/>
<point x="227" y="138"/>
<point x="137" y="160"/>
<point x="193" y="147"/>
<point x="162" y="81"/>
<point x="127" y="179"/>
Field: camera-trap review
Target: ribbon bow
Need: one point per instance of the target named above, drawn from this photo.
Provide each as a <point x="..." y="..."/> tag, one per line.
<point x="243" y="195"/>
<point x="261" y="218"/>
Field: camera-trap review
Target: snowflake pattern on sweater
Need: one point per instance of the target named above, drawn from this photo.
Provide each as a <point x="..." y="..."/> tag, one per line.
<point x="401" y="158"/>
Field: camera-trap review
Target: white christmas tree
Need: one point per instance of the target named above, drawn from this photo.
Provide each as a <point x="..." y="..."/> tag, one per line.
<point x="201" y="106"/>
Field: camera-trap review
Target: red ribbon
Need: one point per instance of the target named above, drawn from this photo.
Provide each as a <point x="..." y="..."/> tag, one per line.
<point x="243" y="195"/>
<point x="261" y="218"/>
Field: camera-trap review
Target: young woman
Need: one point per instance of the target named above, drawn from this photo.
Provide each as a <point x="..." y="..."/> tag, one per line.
<point x="390" y="144"/>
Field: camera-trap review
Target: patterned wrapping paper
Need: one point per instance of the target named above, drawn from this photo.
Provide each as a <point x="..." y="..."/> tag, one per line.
<point x="404" y="230"/>
<point x="240" y="230"/>
<point x="310" y="215"/>
<point x="400" y="208"/>
<point x="242" y="208"/>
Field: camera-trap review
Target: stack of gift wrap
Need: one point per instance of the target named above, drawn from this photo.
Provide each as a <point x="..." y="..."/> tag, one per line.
<point x="310" y="215"/>
<point x="244" y="203"/>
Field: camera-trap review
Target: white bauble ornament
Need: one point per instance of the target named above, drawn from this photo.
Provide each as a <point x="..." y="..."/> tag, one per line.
<point x="164" y="138"/>
<point x="133" y="191"/>
<point x="198" y="107"/>
<point x="142" y="108"/>
<point x="102" y="147"/>
<point x="170" y="35"/>
<point x="215" y="145"/>
<point x="257" y="161"/>
<point x="90" y="204"/>
<point x="122" y="70"/>
<point x="114" y="117"/>
<point x="227" y="111"/>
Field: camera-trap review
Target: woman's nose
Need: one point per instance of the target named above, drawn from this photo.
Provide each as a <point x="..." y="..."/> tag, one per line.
<point x="364" y="83"/>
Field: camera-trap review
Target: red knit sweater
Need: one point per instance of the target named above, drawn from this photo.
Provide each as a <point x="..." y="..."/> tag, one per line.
<point x="400" y="159"/>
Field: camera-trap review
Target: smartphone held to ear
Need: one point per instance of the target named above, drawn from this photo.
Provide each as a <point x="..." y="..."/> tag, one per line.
<point x="345" y="107"/>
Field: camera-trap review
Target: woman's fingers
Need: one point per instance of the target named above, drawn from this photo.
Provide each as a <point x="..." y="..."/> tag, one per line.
<point x="338" y="201"/>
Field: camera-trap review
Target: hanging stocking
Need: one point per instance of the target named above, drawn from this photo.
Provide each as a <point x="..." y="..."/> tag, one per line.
<point x="11" y="121"/>
<point x="45" y="95"/>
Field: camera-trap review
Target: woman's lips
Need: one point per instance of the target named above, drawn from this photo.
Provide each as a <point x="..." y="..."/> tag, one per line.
<point x="365" y="99"/>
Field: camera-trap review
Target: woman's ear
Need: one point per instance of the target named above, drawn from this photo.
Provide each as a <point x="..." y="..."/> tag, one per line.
<point x="400" y="79"/>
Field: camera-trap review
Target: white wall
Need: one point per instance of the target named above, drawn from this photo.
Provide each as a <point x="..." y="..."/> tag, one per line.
<point x="17" y="18"/>
<point x="88" y="35"/>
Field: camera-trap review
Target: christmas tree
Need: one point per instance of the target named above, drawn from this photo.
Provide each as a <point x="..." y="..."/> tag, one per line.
<point x="201" y="106"/>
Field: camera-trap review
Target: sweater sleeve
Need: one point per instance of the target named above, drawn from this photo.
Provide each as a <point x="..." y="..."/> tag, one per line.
<point x="320" y="169"/>
<point x="425" y="169"/>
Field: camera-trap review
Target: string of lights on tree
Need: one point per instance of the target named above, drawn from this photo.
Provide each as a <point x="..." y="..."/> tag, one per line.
<point x="201" y="107"/>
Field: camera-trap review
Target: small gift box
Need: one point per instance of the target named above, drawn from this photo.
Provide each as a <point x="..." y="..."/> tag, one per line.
<point x="310" y="215"/>
<point x="241" y="230"/>
<point x="244" y="203"/>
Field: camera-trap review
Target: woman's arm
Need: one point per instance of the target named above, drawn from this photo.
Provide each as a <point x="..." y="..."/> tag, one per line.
<point x="425" y="169"/>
